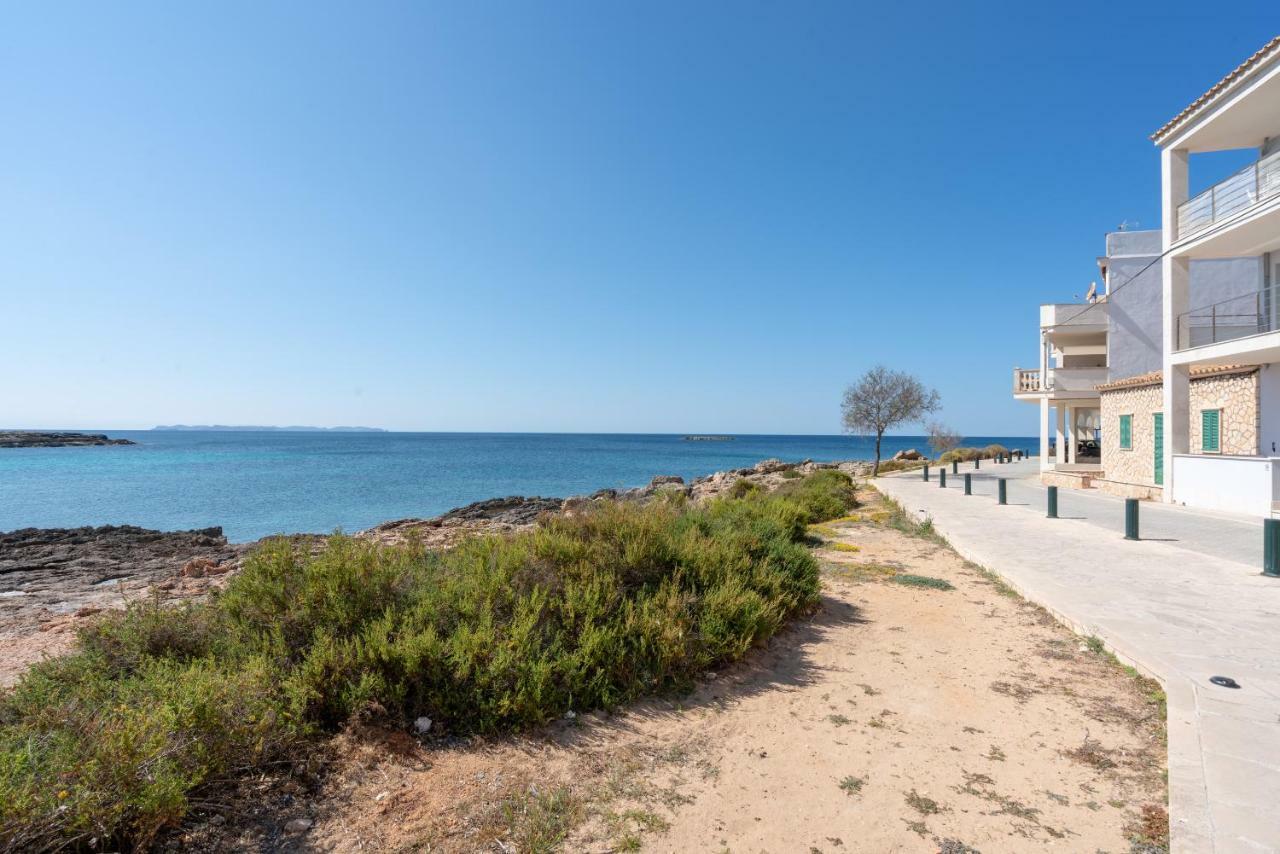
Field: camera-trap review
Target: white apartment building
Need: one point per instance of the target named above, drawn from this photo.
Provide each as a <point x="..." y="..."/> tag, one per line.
<point x="1166" y="383"/>
<point x="1222" y="453"/>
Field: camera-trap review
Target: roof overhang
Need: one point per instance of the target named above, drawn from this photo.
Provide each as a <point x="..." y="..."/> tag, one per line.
<point x="1251" y="92"/>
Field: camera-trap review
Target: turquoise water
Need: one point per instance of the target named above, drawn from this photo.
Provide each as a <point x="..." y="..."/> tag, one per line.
<point x="255" y="484"/>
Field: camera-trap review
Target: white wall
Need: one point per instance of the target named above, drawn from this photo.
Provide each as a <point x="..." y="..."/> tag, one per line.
<point x="1269" y="410"/>
<point x="1231" y="484"/>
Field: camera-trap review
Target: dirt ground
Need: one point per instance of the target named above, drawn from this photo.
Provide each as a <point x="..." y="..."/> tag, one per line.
<point x="924" y="707"/>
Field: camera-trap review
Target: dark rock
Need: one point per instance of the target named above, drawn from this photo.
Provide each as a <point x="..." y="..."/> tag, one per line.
<point x="663" y="479"/>
<point x="34" y="439"/>
<point x="68" y="569"/>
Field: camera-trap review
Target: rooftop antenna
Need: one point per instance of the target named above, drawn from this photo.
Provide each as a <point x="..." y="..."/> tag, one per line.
<point x="1127" y="224"/>
<point x="1092" y="295"/>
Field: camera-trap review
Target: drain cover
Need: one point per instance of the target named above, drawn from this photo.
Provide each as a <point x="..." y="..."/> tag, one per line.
<point x="1224" y="681"/>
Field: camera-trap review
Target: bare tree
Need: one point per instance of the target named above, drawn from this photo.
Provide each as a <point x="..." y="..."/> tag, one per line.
<point x="942" y="438"/>
<point x="882" y="399"/>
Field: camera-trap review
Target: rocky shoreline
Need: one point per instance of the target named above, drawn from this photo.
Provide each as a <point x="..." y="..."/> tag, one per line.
<point x="53" y="578"/>
<point x="35" y="439"/>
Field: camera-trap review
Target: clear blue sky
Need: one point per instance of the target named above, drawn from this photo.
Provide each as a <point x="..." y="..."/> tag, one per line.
<point x="564" y="217"/>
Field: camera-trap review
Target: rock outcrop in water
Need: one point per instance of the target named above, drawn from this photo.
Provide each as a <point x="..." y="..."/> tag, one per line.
<point x="66" y="569"/>
<point x="494" y="516"/>
<point x="53" y="578"/>
<point x="34" y="439"/>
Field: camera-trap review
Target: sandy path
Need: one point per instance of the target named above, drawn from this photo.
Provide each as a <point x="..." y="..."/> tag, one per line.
<point x="898" y="718"/>
<point x="951" y="717"/>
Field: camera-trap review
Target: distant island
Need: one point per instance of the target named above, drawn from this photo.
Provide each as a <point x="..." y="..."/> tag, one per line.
<point x="708" y="438"/>
<point x="249" y="428"/>
<point x="38" y="439"/>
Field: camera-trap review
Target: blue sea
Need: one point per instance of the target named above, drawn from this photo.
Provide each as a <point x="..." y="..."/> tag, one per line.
<point x="259" y="483"/>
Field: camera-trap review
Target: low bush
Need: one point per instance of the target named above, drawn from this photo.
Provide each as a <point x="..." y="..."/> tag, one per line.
<point x="901" y="465"/>
<point x="116" y="741"/>
<point x="825" y="494"/>
<point x="968" y="455"/>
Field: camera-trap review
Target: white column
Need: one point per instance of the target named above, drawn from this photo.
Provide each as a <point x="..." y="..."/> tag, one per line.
<point x="1070" y="449"/>
<point x="1045" y="463"/>
<point x="1175" y="298"/>
<point x="1060" y="437"/>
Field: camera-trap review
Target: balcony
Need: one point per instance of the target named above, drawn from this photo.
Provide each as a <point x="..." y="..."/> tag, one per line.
<point x="1252" y="185"/>
<point x="1239" y="317"/>
<point x="1026" y="381"/>
<point x="1059" y="382"/>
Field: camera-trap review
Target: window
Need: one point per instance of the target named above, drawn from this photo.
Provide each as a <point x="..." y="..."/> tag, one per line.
<point x="1210" y="422"/>
<point x="1126" y="432"/>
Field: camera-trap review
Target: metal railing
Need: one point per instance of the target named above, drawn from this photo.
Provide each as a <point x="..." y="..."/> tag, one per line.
<point x="1237" y="317"/>
<point x="1026" y="379"/>
<point x="1255" y="183"/>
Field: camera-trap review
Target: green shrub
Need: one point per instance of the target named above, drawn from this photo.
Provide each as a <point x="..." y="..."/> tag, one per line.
<point x="901" y="465"/>
<point x="116" y="740"/>
<point x="968" y="455"/>
<point x="825" y="494"/>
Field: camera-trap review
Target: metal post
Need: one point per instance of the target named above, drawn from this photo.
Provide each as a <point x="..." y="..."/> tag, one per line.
<point x="1131" y="518"/>
<point x="955" y="467"/>
<point x="1003" y="493"/>
<point x="968" y="484"/>
<point x="1053" y="502"/>
<point x="1271" y="547"/>
<point x="926" y="471"/>
<point x="942" y="478"/>
<point x="977" y="463"/>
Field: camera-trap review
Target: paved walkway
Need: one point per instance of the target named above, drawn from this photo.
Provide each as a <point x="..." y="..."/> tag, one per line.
<point x="1188" y="604"/>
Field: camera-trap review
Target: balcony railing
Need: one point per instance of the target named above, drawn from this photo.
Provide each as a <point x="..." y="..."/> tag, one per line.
<point x="1029" y="380"/>
<point x="1025" y="380"/>
<point x="1255" y="183"/>
<point x="1237" y="317"/>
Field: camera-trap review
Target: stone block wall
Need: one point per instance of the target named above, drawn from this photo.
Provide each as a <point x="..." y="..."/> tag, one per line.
<point x="1135" y="465"/>
<point x="1237" y="395"/>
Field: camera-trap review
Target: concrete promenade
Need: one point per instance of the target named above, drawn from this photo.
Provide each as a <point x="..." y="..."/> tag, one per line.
<point x="1185" y="603"/>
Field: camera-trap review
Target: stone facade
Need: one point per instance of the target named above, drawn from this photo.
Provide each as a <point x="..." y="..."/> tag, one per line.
<point x="1134" y="465"/>
<point x="1237" y="396"/>
<point x="1236" y="393"/>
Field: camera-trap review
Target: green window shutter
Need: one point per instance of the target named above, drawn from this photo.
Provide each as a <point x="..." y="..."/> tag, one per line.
<point x="1126" y="431"/>
<point x="1209" y="424"/>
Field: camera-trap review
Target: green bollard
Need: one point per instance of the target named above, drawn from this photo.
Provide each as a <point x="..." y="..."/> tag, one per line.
<point x="1053" y="502"/>
<point x="1131" y="519"/>
<point x="1003" y="493"/>
<point x="1271" y="547"/>
<point x="926" y="471"/>
<point x="942" y="478"/>
<point x="977" y="463"/>
<point x="955" y="467"/>
<point x="968" y="484"/>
